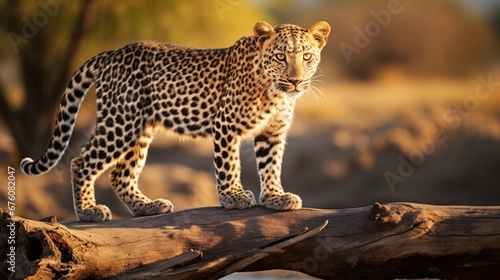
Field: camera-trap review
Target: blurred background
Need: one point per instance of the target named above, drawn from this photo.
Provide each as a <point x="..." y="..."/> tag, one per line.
<point x="406" y="106"/>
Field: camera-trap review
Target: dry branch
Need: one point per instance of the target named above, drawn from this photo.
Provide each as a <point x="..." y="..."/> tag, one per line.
<point x="398" y="240"/>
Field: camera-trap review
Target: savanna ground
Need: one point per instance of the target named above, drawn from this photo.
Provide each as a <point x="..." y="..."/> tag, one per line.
<point x="344" y="150"/>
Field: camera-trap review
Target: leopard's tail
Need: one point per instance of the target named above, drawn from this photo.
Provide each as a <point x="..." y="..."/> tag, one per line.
<point x="69" y="106"/>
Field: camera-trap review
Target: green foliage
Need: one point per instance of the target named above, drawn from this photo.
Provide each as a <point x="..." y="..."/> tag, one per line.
<point x="112" y="24"/>
<point x="194" y="23"/>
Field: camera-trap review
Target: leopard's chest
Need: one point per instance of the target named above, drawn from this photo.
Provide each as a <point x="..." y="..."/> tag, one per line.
<point x="251" y="116"/>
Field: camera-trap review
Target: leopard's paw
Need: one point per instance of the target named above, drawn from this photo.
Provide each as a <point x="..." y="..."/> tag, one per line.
<point x="98" y="213"/>
<point x="240" y="200"/>
<point x="281" y="201"/>
<point x="155" y="207"/>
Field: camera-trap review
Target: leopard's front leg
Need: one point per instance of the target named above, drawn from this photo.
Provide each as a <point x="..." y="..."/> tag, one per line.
<point x="269" y="153"/>
<point x="227" y="169"/>
<point x="269" y="148"/>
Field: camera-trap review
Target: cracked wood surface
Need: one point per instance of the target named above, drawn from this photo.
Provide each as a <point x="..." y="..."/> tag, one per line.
<point x="396" y="240"/>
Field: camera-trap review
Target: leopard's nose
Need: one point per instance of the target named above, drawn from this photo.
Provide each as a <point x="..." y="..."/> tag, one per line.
<point x="295" y="82"/>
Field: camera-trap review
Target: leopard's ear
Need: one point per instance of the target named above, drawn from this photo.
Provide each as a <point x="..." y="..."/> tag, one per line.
<point x="262" y="30"/>
<point x="320" y="31"/>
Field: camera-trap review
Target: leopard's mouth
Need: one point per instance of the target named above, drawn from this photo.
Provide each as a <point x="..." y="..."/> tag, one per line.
<point x="292" y="87"/>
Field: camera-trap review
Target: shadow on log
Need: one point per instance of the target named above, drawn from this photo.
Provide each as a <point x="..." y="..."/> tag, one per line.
<point x="397" y="240"/>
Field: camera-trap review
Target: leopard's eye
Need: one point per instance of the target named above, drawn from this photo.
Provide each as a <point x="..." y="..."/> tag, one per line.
<point x="280" y="56"/>
<point x="307" y="56"/>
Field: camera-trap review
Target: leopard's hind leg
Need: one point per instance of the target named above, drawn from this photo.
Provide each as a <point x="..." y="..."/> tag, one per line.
<point x="125" y="176"/>
<point x="102" y="151"/>
<point x="84" y="171"/>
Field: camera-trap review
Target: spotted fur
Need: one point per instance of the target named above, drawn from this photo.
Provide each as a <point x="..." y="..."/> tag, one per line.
<point x="248" y="89"/>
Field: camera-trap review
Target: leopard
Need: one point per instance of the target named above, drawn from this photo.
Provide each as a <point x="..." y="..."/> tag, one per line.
<point x="247" y="90"/>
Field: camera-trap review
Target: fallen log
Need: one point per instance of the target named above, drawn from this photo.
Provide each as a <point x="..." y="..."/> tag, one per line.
<point x="396" y="240"/>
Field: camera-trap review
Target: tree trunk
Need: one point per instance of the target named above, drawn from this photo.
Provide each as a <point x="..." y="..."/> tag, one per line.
<point x="43" y="80"/>
<point x="397" y="240"/>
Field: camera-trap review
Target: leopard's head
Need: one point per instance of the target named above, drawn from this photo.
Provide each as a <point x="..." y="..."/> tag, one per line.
<point x="291" y="54"/>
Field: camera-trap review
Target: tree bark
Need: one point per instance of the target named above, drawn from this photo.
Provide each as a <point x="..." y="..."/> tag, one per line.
<point x="396" y="240"/>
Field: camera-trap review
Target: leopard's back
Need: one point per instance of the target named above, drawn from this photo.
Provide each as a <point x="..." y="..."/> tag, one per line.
<point x="162" y="84"/>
